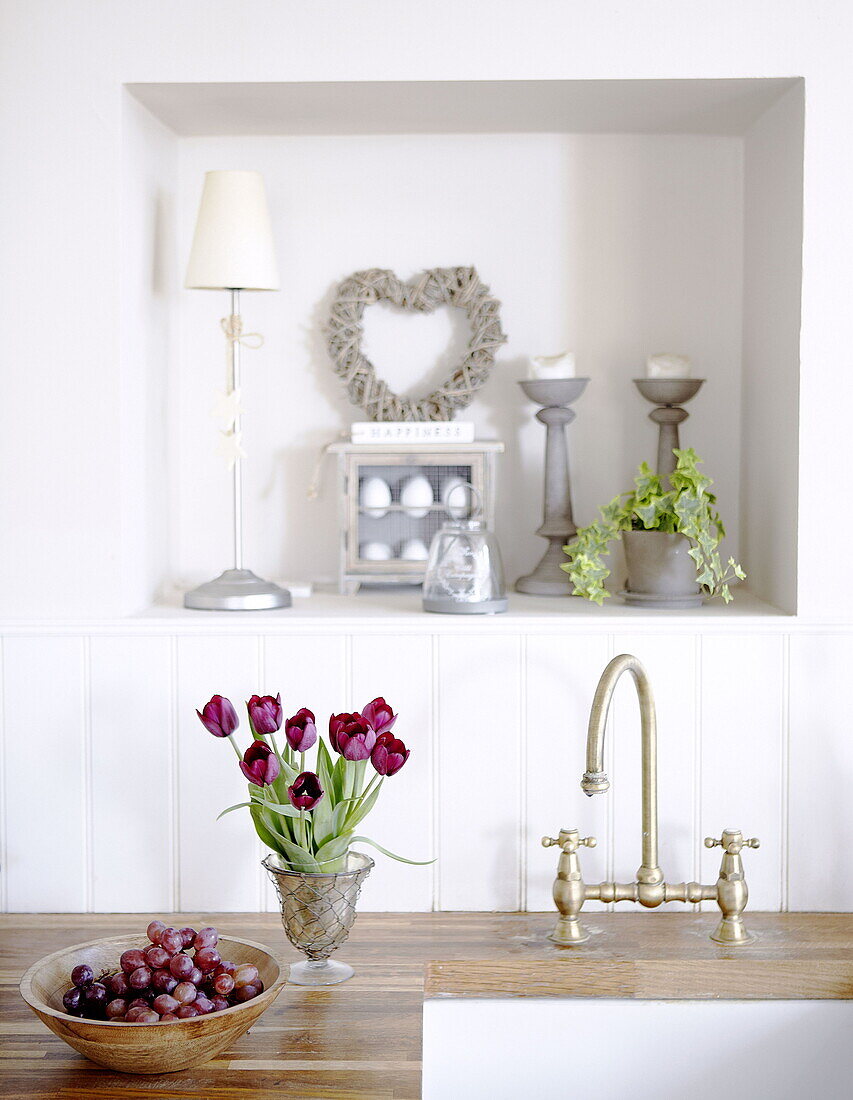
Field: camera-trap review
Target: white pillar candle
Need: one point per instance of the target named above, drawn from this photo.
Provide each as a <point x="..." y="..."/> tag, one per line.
<point x="665" y="364"/>
<point x="553" y="366"/>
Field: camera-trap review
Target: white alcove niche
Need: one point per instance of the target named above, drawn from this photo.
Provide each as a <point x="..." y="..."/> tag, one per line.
<point x="614" y="218"/>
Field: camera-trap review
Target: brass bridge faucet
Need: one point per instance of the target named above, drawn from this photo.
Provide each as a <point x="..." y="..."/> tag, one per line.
<point x="649" y="889"/>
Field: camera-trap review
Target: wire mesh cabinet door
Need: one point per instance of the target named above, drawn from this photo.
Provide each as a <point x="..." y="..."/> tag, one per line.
<point x="394" y="498"/>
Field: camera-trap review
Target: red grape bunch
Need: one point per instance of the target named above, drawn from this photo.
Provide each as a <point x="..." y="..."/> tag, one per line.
<point x="162" y="983"/>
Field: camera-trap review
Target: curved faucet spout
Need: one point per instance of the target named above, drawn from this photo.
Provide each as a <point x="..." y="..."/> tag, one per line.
<point x="595" y="780"/>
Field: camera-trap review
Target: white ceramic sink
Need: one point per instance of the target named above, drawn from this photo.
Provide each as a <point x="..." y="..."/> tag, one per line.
<point x="602" y="1049"/>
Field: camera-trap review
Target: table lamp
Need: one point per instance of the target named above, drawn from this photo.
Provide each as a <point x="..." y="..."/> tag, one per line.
<point x="233" y="250"/>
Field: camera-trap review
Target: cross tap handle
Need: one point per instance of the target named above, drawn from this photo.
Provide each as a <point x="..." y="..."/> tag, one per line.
<point x="569" y="841"/>
<point x="732" y="841"/>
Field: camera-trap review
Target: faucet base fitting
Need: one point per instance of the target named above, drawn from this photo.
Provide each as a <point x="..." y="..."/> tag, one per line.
<point x="568" y="932"/>
<point x="732" y="932"/>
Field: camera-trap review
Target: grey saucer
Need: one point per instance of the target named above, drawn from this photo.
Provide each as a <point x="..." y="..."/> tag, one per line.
<point x="664" y="603"/>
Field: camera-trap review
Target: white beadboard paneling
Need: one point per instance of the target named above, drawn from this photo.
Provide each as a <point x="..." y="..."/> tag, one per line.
<point x="670" y="663"/>
<point x="479" y="764"/>
<point x="218" y="859"/>
<point x="561" y="674"/>
<point x="503" y="778"/>
<point x="742" y="745"/>
<point x="400" y="668"/>
<point x="4" y="771"/>
<point x="132" y="765"/>
<point x="309" y="671"/>
<point x="47" y="785"/>
<point x="820" y="821"/>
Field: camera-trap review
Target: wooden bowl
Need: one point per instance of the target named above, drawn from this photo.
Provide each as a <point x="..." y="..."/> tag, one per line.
<point x="146" y="1048"/>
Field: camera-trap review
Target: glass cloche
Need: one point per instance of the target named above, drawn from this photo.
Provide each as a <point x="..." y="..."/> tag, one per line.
<point x="464" y="573"/>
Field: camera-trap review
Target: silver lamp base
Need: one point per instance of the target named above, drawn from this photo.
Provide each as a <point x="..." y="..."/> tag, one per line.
<point x="237" y="590"/>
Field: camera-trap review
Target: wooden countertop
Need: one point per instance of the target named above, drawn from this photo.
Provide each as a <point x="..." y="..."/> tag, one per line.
<point x="362" y="1040"/>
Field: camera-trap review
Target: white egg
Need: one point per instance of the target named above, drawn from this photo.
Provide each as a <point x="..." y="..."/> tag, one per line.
<point x="459" y="506"/>
<point x="375" y="496"/>
<point x="414" y="550"/>
<point x="416" y="496"/>
<point x="375" y="551"/>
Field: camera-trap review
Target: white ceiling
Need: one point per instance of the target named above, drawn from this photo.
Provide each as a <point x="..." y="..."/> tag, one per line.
<point x="537" y="106"/>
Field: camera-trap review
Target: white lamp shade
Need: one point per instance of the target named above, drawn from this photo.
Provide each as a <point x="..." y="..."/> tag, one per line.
<point x="233" y="244"/>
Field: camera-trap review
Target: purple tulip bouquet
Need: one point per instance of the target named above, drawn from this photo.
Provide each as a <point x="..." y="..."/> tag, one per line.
<point x="310" y="817"/>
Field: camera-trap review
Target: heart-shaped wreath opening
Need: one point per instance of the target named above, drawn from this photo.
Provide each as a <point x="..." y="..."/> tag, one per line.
<point x="439" y="286"/>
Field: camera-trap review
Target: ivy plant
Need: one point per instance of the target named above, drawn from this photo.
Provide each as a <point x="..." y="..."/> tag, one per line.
<point x="683" y="505"/>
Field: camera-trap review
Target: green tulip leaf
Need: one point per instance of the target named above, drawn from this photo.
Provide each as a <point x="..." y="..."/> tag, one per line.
<point x="325" y="768"/>
<point x="385" y="852"/>
<point x="363" y="807"/>
<point x="298" y="856"/>
<point x="333" y="849"/>
<point x="277" y="807"/>
<point x="236" y="806"/>
<point x="268" y="836"/>
<point x="339" y="772"/>
<point x="322" y="818"/>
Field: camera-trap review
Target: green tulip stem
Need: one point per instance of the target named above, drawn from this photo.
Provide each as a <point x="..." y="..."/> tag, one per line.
<point x="376" y="779"/>
<point x="301" y="762"/>
<point x="302" y="830"/>
<point x="275" y="748"/>
<point x="359" y="778"/>
<point x="233" y="745"/>
<point x="356" y="806"/>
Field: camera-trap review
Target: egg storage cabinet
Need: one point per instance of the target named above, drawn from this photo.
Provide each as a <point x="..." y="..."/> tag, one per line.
<point x="392" y="500"/>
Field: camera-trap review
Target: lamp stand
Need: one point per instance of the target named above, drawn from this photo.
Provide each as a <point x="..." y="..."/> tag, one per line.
<point x="237" y="589"/>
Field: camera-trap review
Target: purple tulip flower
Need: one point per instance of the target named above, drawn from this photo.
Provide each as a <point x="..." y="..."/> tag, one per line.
<point x="351" y="736"/>
<point x="300" y="730"/>
<point x="260" y="764"/>
<point x="265" y="713"/>
<point x="305" y="792"/>
<point x="389" y="754"/>
<point x="379" y="716"/>
<point x="219" y="717"/>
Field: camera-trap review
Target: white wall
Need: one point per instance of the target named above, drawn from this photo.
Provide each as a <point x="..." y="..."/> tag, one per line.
<point x="150" y="276"/>
<point x="62" y="66"/>
<point x="614" y="246"/>
<point x="773" y="235"/>
<point x="71" y="457"/>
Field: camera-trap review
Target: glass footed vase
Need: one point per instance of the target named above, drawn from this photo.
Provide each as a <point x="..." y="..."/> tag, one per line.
<point x="318" y="911"/>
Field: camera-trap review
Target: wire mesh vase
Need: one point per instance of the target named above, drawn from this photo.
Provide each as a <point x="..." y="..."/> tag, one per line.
<point x="318" y="911"/>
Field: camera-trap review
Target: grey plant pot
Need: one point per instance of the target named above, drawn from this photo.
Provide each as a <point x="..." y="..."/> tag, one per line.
<point x="661" y="574"/>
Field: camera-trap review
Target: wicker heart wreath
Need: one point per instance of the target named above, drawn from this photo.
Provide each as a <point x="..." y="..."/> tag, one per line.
<point x="439" y="286"/>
